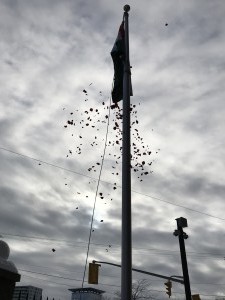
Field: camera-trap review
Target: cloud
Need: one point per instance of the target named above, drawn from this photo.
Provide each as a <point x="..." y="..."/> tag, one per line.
<point x="51" y="51"/>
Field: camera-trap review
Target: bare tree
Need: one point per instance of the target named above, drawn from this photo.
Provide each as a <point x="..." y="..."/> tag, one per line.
<point x="139" y="290"/>
<point x="106" y="298"/>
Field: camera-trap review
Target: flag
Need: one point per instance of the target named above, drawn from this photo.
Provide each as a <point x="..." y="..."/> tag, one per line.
<point x="118" y="53"/>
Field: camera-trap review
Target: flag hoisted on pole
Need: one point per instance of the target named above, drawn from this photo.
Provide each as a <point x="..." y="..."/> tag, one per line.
<point x="118" y="53"/>
<point x="118" y="57"/>
<point x="123" y="90"/>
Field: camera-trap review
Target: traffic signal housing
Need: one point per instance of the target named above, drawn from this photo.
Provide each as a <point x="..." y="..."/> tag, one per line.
<point x="168" y="285"/>
<point x="93" y="273"/>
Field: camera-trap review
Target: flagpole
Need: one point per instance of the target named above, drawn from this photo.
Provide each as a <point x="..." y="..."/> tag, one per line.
<point x="126" y="259"/>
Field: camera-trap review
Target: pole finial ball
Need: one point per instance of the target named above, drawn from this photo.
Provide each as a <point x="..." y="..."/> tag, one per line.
<point x="126" y="8"/>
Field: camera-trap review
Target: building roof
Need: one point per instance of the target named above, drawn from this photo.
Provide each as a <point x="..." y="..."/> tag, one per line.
<point x="87" y="290"/>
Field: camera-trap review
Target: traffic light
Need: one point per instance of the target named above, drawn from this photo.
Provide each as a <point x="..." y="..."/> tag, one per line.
<point x="168" y="285"/>
<point x="196" y="297"/>
<point x="93" y="273"/>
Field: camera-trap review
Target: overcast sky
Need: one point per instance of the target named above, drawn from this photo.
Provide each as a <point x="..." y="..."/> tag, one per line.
<point x="50" y="52"/>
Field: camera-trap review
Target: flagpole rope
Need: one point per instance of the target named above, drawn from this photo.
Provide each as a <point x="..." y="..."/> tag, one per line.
<point x="96" y="194"/>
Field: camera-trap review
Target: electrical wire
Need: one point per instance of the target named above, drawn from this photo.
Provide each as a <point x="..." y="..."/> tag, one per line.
<point x="46" y="163"/>
<point x="50" y="275"/>
<point x="173" y="252"/>
<point x="62" y="277"/>
<point x="75" y="279"/>
<point x="107" y="182"/>
<point x="109" y="276"/>
<point x="51" y="239"/>
<point x="179" y="205"/>
<point x="37" y="278"/>
<point x="104" y="284"/>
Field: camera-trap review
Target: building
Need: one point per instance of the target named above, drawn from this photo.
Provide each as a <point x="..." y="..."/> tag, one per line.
<point x="86" y="294"/>
<point x="28" y="292"/>
<point x="8" y="273"/>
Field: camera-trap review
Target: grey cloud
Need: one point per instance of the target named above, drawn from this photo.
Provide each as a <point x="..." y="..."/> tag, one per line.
<point x="51" y="51"/>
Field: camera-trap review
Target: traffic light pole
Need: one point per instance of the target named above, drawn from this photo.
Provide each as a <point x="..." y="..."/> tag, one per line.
<point x="171" y="278"/>
<point x="182" y="222"/>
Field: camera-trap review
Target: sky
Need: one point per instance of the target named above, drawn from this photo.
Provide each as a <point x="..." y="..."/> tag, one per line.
<point x="51" y="51"/>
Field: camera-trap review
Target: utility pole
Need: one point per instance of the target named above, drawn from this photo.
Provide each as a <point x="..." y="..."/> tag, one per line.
<point x="182" y="223"/>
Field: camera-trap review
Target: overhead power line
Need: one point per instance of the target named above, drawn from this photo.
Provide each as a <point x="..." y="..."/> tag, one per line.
<point x="107" y="182"/>
<point x="109" y="276"/>
<point x="103" y="284"/>
<point x="44" y="279"/>
<point x="62" y="277"/>
<point x="172" y="252"/>
<point x="51" y="275"/>
<point x="50" y="239"/>
<point x="47" y="163"/>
